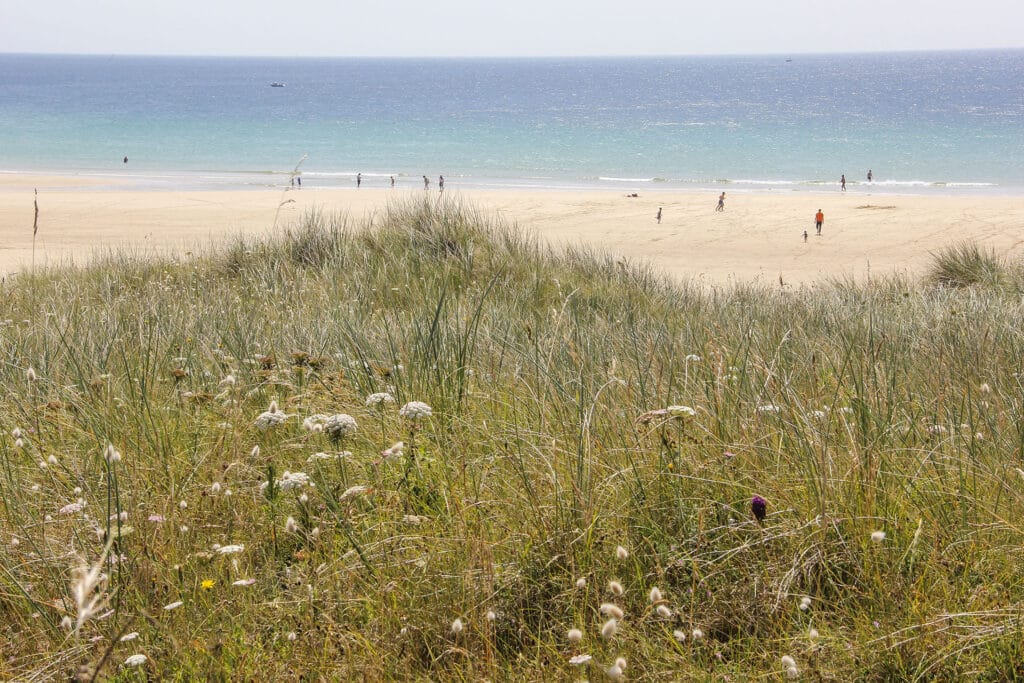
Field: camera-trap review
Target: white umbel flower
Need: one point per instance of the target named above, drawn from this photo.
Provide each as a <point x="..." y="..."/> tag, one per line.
<point x="136" y="660"/>
<point x="271" y="418"/>
<point x="415" y="411"/>
<point x="379" y="400"/>
<point x="340" y="426"/>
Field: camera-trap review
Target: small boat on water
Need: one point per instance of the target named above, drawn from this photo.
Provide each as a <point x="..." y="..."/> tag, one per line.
<point x="276" y="84"/>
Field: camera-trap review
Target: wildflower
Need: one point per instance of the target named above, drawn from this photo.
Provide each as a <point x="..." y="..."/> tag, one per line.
<point x="244" y="582"/>
<point x="228" y="381"/>
<point x="340" y="426"/>
<point x="292" y="636"/>
<point x="805" y="603"/>
<point x="663" y="611"/>
<point x="792" y="673"/>
<point x="112" y="455"/>
<point x="655" y="595"/>
<point x="693" y="358"/>
<point x="289" y="481"/>
<point x="291" y="526"/>
<point x="135" y="660"/>
<point x="768" y="408"/>
<point x="271" y="418"/>
<point x="759" y="506"/>
<point x="52" y="460"/>
<point x="491" y="615"/>
<point x="329" y="456"/>
<point x="30" y="374"/>
<point x="393" y="452"/>
<point x="582" y="582"/>
<point x="878" y="536"/>
<point x="679" y="635"/>
<point x="621" y="663"/>
<point x="616" y="588"/>
<point x="697" y="634"/>
<point x="183" y="504"/>
<point x="682" y="412"/>
<point x="414" y="411"/>
<point x="985" y="388"/>
<point x="615" y="672"/>
<point x="378" y="400"/>
<point x="71" y="508"/>
<point x="580" y="660"/>
<point x="457" y="626"/>
<point x="230" y="549"/>
<point x="353" y="491"/>
<point x="609" y="628"/>
<point x="207" y="584"/>
<point x="215" y="488"/>
<point x="173" y="605"/>
<point x="621" y="553"/>
<point x="788" y="661"/>
<point x="574" y="635"/>
<point x="812" y="634"/>
<point x="156" y="519"/>
<point x="610" y="610"/>
<point x="129" y="636"/>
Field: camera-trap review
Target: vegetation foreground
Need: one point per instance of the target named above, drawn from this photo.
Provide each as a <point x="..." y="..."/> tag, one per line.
<point x="431" y="448"/>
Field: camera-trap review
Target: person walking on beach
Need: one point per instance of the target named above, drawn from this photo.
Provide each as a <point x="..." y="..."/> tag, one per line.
<point x="842" y="182"/>
<point x="659" y="215"/>
<point x="426" y="183"/>
<point x="298" y="179"/>
<point x="870" y="175"/>
<point x="440" y="183"/>
<point x="392" y="181"/>
<point x="721" y="203"/>
<point x="359" y="180"/>
<point x="805" y="235"/>
<point x="126" y="160"/>
<point x="819" y="218"/>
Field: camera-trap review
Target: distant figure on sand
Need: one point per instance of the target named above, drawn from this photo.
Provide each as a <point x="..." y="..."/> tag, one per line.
<point x="440" y="183"/>
<point x="659" y="215"/>
<point x="842" y="182"/>
<point x="359" y="180"/>
<point x="721" y="203"/>
<point x="126" y="160"/>
<point x="392" y="181"/>
<point x="298" y="179"/>
<point x="805" y="235"/>
<point x="870" y="175"/>
<point x="426" y="183"/>
<point x="819" y="218"/>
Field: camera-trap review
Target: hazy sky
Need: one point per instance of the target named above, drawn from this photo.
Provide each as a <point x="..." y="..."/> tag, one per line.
<point x="504" y="27"/>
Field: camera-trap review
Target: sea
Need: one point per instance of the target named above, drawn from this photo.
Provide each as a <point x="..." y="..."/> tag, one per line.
<point x="921" y="122"/>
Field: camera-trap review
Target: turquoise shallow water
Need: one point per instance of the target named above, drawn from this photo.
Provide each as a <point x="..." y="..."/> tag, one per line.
<point x="922" y="122"/>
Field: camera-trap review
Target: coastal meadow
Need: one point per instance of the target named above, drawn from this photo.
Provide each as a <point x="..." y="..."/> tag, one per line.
<point x="428" y="446"/>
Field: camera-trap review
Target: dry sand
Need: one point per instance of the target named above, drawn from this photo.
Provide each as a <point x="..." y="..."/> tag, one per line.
<point x="758" y="236"/>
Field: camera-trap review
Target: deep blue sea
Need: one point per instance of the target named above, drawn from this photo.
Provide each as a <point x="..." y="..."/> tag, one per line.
<point x="943" y="122"/>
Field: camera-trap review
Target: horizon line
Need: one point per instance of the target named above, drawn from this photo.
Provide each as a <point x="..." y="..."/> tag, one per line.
<point x="522" y="57"/>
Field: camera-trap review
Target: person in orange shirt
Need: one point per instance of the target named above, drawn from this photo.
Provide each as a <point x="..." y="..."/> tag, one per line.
<point x="819" y="218"/>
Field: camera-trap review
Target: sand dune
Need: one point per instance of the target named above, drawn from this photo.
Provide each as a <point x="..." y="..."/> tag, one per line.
<point x="759" y="235"/>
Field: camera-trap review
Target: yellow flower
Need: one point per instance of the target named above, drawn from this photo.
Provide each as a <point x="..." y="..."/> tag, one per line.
<point x="207" y="584"/>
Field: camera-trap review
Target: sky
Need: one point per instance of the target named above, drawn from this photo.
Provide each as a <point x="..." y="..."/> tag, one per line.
<point x="463" y="28"/>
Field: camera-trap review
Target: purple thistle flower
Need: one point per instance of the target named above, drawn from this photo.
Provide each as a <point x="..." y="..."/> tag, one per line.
<point x="759" y="506"/>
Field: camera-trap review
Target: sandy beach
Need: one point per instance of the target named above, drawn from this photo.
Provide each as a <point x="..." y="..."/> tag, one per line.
<point x="758" y="236"/>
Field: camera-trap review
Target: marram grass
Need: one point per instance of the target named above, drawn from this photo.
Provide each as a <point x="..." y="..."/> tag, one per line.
<point x="586" y="470"/>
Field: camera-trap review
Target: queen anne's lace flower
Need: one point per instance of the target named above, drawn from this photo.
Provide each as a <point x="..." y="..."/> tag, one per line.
<point x="271" y="418"/>
<point x="415" y="410"/>
<point x="379" y="399"/>
<point x="341" y="425"/>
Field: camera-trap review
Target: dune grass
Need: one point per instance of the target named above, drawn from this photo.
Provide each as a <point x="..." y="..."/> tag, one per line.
<point x="167" y="438"/>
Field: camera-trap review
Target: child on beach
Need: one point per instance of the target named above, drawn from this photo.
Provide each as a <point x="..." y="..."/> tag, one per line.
<point x="721" y="203"/>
